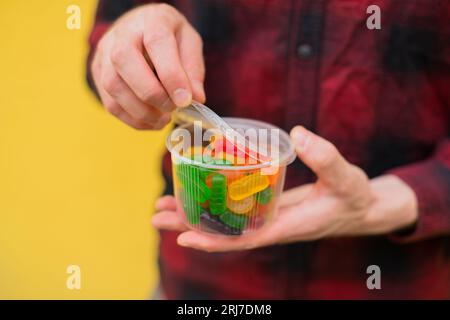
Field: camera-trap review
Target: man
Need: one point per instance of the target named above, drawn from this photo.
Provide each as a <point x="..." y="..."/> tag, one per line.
<point x="376" y="100"/>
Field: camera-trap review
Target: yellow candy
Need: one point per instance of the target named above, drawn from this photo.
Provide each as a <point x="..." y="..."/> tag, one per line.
<point x="241" y="206"/>
<point x="247" y="186"/>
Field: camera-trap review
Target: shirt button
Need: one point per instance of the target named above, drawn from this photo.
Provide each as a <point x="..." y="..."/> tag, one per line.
<point x="304" y="51"/>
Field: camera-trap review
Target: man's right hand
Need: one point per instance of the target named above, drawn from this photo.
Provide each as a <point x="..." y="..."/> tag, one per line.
<point x="149" y="63"/>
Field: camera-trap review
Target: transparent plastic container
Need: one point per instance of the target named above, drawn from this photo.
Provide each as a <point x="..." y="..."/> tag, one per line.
<point x="222" y="197"/>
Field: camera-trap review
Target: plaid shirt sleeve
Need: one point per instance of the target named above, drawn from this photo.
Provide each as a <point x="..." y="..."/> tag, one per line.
<point x="430" y="179"/>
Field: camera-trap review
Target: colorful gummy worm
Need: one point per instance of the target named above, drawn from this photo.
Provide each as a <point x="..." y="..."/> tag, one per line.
<point x="223" y="201"/>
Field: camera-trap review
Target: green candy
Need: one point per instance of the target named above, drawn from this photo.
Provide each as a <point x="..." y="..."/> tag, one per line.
<point x="237" y="221"/>
<point x="191" y="209"/>
<point x="186" y="172"/>
<point x="203" y="192"/>
<point x="204" y="173"/>
<point x="193" y="184"/>
<point x="218" y="198"/>
<point x="263" y="197"/>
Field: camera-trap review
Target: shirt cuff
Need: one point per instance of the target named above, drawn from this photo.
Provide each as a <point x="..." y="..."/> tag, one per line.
<point x="431" y="183"/>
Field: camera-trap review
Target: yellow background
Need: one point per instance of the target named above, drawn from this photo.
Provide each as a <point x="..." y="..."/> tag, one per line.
<point x="76" y="185"/>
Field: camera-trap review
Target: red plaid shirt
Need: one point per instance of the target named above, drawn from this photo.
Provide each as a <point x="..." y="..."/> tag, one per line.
<point x="381" y="96"/>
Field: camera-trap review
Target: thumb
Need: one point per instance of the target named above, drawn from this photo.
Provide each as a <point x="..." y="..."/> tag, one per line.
<point x="322" y="157"/>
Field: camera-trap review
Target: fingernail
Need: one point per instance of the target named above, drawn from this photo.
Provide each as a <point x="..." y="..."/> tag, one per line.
<point x="182" y="97"/>
<point x="182" y="242"/>
<point x="158" y="205"/>
<point x="301" y="138"/>
<point x="200" y="90"/>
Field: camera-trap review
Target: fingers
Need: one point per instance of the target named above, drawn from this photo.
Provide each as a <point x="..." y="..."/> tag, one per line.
<point x="166" y="203"/>
<point x="191" y="55"/>
<point x="322" y="157"/>
<point x="217" y="243"/>
<point x="168" y="220"/>
<point x="132" y="67"/>
<point x="122" y="94"/>
<point x="162" y="49"/>
<point x="149" y="63"/>
<point x="118" y="98"/>
<point x="166" y="217"/>
<point x="115" y="109"/>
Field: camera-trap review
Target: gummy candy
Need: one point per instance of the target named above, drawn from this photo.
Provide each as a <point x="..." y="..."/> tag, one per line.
<point x="193" y="185"/>
<point x="241" y="155"/>
<point x="204" y="173"/>
<point x="264" y="197"/>
<point x="223" y="200"/>
<point x="247" y="186"/>
<point x="213" y="223"/>
<point x="222" y="145"/>
<point x="233" y="220"/>
<point x="217" y="201"/>
<point x="241" y="206"/>
<point x="273" y="178"/>
<point x="203" y="192"/>
<point x="191" y="208"/>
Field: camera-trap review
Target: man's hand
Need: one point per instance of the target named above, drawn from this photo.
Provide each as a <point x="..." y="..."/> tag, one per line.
<point x="343" y="202"/>
<point x="147" y="64"/>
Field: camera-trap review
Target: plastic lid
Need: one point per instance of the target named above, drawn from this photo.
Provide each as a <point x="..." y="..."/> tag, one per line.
<point x="209" y="119"/>
<point x="285" y="154"/>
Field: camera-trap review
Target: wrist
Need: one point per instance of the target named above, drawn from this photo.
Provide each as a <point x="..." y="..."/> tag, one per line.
<point x="394" y="206"/>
